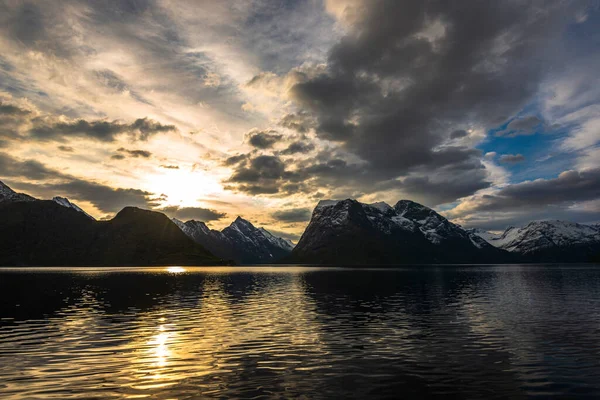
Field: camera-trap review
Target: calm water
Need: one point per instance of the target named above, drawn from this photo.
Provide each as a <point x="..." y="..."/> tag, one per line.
<point x="470" y="332"/>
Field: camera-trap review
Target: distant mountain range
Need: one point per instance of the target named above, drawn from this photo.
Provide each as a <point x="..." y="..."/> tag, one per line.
<point x="548" y="241"/>
<point x="58" y="232"/>
<point x="240" y="241"/>
<point x="349" y="232"/>
<point x="346" y="232"/>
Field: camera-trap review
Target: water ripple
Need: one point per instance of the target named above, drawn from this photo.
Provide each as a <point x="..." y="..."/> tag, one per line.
<point x="492" y="332"/>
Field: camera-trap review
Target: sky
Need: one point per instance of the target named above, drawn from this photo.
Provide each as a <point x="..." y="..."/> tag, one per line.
<point x="488" y="112"/>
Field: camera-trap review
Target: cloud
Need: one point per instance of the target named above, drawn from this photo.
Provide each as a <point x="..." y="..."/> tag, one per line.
<point x="232" y="160"/>
<point x="196" y="213"/>
<point x="50" y="182"/>
<point x="511" y="158"/>
<point x="292" y="215"/>
<point x="300" y="121"/>
<point x="407" y="73"/>
<point x="527" y="125"/>
<point x="263" y="139"/>
<point x="12" y="111"/>
<point x="131" y="153"/>
<point x="105" y="131"/>
<point x="29" y="169"/>
<point x="286" y="235"/>
<point x="568" y="188"/>
<point x="105" y="198"/>
<point x="459" y="133"/>
<point x="298" y="147"/>
<point x="261" y="175"/>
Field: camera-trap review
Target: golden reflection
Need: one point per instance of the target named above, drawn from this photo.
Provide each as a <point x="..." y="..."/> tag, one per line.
<point x="176" y="270"/>
<point x="224" y="331"/>
<point x="161" y="351"/>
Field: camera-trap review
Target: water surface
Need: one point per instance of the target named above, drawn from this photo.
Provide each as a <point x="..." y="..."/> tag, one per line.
<point x="273" y="332"/>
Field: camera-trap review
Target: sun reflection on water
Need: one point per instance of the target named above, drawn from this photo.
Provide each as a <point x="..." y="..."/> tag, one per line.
<point x="161" y="351"/>
<point x="176" y="270"/>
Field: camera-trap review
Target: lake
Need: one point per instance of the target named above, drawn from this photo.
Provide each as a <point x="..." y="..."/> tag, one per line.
<point x="299" y="332"/>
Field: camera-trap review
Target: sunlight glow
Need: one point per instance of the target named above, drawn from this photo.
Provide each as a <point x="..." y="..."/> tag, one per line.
<point x="176" y="270"/>
<point x="182" y="187"/>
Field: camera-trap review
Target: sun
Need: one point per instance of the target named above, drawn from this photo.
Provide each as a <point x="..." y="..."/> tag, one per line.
<point x="182" y="187"/>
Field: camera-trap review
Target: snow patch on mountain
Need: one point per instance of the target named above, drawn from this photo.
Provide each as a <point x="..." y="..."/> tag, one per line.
<point x="240" y="241"/>
<point x="539" y="235"/>
<point x="405" y="215"/>
<point x="381" y="206"/>
<point x="7" y="195"/>
<point x="62" y="201"/>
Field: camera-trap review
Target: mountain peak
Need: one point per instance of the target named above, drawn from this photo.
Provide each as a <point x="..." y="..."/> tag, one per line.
<point x="63" y="201"/>
<point x="381" y="206"/>
<point x="240" y="241"/>
<point x="350" y="232"/>
<point x="241" y="223"/>
<point x="8" y="195"/>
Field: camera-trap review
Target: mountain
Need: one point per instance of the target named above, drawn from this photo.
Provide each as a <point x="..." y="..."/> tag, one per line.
<point x="549" y="241"/>
<point x="349" y="232"/>
<point x="7" y="195"/>
<point x="44" y="232"/>
<point x="66" y="203"/>
<point x="241" y="241"/>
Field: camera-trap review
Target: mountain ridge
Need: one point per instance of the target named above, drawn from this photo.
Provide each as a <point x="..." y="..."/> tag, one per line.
<point x="51" y="233"/>
<point x="350" y="232"/>
<point x="549" y="240"/>
<point x="240" y="241"/>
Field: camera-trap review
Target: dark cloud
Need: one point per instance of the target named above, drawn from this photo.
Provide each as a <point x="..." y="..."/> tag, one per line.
<point x="26" y="24"/>
<point x="568" y="188"/>
<point x="52" y="183"/>
<point x="66" y="149"/>
<point x="522" y="126"/>
<point x="457" y="176"/>
<point x="263" y="139"/>
<point x="112" y="81"/>
<point x="131" y="153"/>
<point x="197" y="213"/>
<point x="106" y="131"/>
<point x="444" y="188"/>
<point x="511" y="158"/>
<point x="299" y="121"/>
<point x="459" y="133"/>
<point x="261" y="175"/>
<point x="407" y="73"/>
<point x="501" y="221"/>
<point x="29" y="169"/>
<point x="298" y="147"/>
<point x="292" y="215"/>
<point x="238" y="158"/>
<point x="12" y="111"/>
<point x="104" y="198"/>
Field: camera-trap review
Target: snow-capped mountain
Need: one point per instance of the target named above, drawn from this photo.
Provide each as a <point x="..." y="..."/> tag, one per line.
<point x="349" y="232"/>
<point x="241" y="241"/>
<point x="548" y="241"/>
<point x="7" y="195"/>
<point x="485" y="235"/>
<point x="66" y="203"/>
